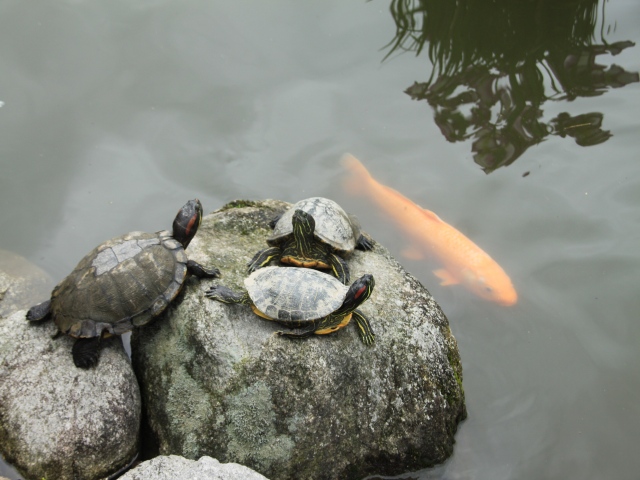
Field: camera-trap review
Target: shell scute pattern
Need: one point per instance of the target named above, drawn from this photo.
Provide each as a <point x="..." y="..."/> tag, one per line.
<point x="294" y="294"/>
<point x="123" y="282"/>
<point x="333" y="225"/>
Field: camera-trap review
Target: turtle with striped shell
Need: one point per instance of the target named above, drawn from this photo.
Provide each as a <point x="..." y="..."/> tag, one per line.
<point x="314" y="233"/>
<point x="306" y="301"/>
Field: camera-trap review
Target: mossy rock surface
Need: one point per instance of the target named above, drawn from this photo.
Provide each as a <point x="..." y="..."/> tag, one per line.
<point x="216" y="381"/>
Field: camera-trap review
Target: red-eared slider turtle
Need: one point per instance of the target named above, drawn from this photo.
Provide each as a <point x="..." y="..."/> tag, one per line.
<point x="308" y="301"/>
<point x="123" y="283"/>
<point x="314" y="233"/>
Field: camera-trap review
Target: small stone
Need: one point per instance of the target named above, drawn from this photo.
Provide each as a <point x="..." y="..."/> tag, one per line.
<point x="173" y="467"/>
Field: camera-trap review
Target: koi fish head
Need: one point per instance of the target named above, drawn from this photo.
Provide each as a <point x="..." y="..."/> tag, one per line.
<point x="357" y="176"/>
<point x="490" y="283"/>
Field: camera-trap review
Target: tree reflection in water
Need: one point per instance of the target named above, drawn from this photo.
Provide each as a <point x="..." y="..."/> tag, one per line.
<point x="491" y="60"/>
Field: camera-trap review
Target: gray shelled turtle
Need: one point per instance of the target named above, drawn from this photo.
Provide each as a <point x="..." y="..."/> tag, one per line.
<point x="307" y="301"/>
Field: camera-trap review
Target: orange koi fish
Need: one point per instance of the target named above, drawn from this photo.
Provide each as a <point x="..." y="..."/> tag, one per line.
<point x="463" y="262"/>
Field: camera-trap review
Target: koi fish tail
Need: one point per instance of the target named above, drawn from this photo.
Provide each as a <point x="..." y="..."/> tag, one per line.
<point x="357" y="177"/>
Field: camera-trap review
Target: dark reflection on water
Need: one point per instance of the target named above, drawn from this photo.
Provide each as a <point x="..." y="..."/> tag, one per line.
<point x="496" y="64"/>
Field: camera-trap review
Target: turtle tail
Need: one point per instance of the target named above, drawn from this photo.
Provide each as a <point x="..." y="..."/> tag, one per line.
<point x="39" y="312"/>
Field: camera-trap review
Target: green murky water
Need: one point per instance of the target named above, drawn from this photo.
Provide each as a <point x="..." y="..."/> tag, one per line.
<point x="517" y="122"/>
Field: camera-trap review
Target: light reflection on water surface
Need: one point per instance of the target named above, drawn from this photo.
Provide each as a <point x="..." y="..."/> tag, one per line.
<point x="113" y="115"/>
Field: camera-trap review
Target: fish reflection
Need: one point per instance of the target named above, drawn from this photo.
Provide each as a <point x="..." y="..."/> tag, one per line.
<point x="463" y="262"/>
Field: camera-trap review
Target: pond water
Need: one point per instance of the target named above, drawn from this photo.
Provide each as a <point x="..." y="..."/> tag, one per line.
<point x="519" y="127"/>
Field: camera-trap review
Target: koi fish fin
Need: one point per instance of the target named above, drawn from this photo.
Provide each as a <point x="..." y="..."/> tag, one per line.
<point x="413" y="253"/>
<point x="431" y="216"/>
<point x="446" y="277"/>
<point x="357" y="177"/>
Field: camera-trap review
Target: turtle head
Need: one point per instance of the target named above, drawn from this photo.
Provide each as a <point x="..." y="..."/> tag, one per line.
<point x="303" y="223"/>
<point x="187" y="222"/>
<point x="359" y="291"/>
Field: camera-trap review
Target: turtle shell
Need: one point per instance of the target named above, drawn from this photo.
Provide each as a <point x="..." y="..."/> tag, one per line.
<point x="294" y="295"/>
<point x="333" y="225"/>
<point x="122" y="283"/>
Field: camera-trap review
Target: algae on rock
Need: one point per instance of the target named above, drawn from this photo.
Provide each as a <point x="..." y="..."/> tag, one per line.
<point x="216" y="381"/>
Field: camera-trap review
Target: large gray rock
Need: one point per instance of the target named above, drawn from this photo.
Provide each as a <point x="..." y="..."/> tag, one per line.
<point x="59" y="421"/>
<point x="22" y="284"/>
<point x="173" y="467"/>
<point x="216" y="381"/>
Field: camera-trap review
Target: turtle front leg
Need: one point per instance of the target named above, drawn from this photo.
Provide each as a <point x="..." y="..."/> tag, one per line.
<point x="298" y="332"/>
<point x="194" y="268"/>
<point x="364" y="328"/>
<point x="39" y="312"/>
<point x="226" y="295"/>
<point x="86" y="352"/>
<point x="263" y="257"/>
<point x="339" y="267"/>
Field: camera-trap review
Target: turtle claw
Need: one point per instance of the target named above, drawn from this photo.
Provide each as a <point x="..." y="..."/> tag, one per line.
<point x="368" y="339"/>
<point x="224" y="294"/>
<point x="86" y="352"/>
<point x="212" y="272"/>
<point x="212" y="292"/>
<point x="365" y="242"/>
<point x="365" y="331"/>
<point x="86" y="362"/>
<point x="199" y="271"/>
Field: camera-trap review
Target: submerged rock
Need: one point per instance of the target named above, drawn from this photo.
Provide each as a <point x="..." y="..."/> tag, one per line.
<point x="22" y="284"/>
<point x="59" y="421"/>
<point x="173" y="467"/>
<point x="216" y="381"/>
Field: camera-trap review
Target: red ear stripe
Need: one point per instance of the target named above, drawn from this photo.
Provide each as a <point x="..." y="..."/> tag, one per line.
<point x="190" y="224"/>
<point x="360" y="291"/>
